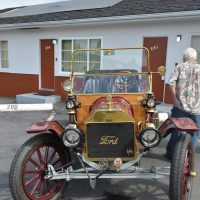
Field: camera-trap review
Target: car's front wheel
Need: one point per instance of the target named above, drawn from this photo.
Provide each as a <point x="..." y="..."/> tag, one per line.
<point x="30" y="165"/>
<point x="180" y="185"/>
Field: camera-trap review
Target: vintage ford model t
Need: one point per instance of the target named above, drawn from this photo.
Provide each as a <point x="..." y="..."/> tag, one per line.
<point x="112" y="124"/>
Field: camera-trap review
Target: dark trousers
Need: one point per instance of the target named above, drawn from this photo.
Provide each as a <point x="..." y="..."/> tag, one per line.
<point x="177" y="113"/>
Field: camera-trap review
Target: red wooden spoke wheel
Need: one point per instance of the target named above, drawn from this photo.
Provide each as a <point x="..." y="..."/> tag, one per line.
<point x="186" y="176"/>
<point x="180" y="185"/>
<point x="30" y="166"/>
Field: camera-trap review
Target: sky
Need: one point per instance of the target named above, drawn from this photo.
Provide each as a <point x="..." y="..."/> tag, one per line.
<point x="17" y="3"/>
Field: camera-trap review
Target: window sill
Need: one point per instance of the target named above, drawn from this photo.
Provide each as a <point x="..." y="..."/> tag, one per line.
<point x="68" y="74"/>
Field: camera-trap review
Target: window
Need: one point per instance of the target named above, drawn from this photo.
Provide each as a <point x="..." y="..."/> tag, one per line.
<point x="83" y="60"/>
<point x="4" y="54"/>
<point x="196" y="45"/>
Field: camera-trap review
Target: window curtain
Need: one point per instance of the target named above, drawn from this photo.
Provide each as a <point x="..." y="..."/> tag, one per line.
<point x="83" y="60"/>
<point x="4" y="54"/>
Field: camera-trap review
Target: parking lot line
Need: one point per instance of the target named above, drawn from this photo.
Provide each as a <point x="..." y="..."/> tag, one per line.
<point x="25" y="107"/>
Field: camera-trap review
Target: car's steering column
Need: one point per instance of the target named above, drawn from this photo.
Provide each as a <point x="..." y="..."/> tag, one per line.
<point x="121" y="82"/>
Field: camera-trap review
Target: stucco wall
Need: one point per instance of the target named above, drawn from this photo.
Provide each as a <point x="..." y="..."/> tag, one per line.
<point x="24" y="45"/>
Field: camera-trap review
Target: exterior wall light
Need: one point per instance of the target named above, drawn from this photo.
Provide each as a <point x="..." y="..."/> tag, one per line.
<point x="178" y="38"/>
<point x="55" y="42"/>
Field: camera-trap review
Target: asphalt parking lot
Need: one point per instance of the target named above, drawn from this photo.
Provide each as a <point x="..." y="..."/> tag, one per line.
<point x="13" y="135"/>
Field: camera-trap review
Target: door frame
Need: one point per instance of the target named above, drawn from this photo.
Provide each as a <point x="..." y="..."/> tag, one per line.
<point x="160" y="36"/>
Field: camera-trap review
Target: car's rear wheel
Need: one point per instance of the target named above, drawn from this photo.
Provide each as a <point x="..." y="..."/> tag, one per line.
<point x="180" y="185"/>
<point x="30" y="165"/>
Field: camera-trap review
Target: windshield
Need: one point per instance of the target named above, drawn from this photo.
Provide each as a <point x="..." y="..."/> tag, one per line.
<point x="110" y="71"/>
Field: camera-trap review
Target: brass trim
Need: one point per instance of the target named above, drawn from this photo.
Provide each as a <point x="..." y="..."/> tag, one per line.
<point x="71" y="112"/>
<point x="108" y="140"/>
<point x="131" y="121"/>
<point x="161" y="70"/>
<point x="149" y="73"/>
<point x="115" y="73"/>
<point x="139" y="126"/>
<point x="151" y="111"/>
<point x="140" y="98"/>
<point x="110" y="159"/>
<point x="193" y="174"/>
<point x="111" y="49"/>
<point x="150" y="125"/>
<point x="72" y="126"/>
<point x="109" y="116"/>
<point x="113" y="94"/>
<point x="106" y="74"/>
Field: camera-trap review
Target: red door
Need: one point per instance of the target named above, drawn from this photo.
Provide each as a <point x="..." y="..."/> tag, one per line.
<point x="47" y="65"/>
<point x="158" y="48"/>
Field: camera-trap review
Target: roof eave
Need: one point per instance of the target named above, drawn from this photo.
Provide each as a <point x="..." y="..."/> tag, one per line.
<point x="127" y="18"/>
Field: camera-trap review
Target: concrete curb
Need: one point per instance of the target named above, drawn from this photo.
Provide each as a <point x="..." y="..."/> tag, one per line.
<point x="25" y="107"/>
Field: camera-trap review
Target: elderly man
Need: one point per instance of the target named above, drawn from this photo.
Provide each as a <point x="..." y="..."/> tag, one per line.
<point x="185" y="88"/>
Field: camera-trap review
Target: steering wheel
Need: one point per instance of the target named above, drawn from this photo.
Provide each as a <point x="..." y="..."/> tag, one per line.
<point x="124" y="82"/>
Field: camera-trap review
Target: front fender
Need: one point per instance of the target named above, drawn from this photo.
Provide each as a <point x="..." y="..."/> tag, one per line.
<point x="45" y="126"/>
<point x="183" y="124"/>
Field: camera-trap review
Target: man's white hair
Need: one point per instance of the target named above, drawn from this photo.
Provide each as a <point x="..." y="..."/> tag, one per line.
<point x="190" y="54"/>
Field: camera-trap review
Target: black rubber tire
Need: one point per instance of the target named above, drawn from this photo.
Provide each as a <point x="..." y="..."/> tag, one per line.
<point x="15" y="176"/>
<point x="183" y="145"/>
